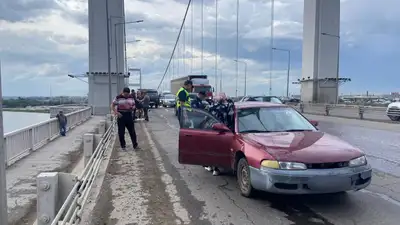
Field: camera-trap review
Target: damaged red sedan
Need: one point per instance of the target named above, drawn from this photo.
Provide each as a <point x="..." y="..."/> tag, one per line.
<point x="273" y="148"/>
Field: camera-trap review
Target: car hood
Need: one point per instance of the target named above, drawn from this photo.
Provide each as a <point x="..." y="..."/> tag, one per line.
<point x="306" y="147"/>
<point x="394" y="104"/>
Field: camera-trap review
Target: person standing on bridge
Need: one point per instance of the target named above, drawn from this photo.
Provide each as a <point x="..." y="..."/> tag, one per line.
<point x="123" y="106"/>
<point x="62" y="121"/>
<point x="183" y="97"/>
<point x="198" y="101"/>
<point x="133" y="93"/>
<point x="146" y="105"/>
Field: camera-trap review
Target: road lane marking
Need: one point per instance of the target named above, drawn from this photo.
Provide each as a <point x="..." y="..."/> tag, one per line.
<point x="171" y="189"/>
<point x="382" y="196"/>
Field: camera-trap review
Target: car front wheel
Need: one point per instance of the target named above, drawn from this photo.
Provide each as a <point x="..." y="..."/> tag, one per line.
<point x="395" y="118"/>
<point x="243" y="178"/>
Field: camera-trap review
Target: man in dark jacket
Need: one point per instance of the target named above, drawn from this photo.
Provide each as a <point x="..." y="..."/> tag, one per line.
<point x="62" y="121"/>
<point x="198" y="101"/>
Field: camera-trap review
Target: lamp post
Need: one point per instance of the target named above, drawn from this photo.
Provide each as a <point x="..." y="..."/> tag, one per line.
<point x="115" y="41"/>
<point x="288" y="68"/>
<point x="3" y="187"/>
<point x="76" y="77"/>
<point x="245" y="75"/>
<point x="337" y="64"/>
<point x="126" y="56"/>
<point x="108" y="54"/>
<point x="140" y="75"/>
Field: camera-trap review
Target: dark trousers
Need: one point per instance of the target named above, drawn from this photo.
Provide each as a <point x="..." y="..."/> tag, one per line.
<point x="146" y="113"/>
<point x="63" y="129"/>
<point x="126" y="122"/>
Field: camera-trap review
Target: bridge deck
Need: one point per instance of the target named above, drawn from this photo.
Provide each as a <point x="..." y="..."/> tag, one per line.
<point x="149" y="186"/>
<point x="62" y="154"/>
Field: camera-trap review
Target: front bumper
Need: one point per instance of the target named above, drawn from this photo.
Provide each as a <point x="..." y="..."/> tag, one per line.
<point x="311" y="181"/>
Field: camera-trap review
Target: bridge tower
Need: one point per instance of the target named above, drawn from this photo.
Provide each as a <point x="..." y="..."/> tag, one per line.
<point x="321" y="46"/>
<point x="98" y="55"/>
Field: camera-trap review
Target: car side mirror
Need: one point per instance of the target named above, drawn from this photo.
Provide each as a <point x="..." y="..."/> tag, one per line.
<point x="220" y="127"/>
<point x="314" y="123"/>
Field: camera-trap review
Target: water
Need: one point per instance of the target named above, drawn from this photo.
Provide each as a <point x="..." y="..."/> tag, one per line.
<point x="17" y="120"/>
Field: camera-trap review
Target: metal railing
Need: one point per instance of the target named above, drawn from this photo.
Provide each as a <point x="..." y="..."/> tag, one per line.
<point x="347" y="111"/>
<point x="22" y="142"/>
<point x="72" y="208"/>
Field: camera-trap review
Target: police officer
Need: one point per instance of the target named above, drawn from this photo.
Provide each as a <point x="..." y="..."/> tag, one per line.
<point x="183" y="97"/>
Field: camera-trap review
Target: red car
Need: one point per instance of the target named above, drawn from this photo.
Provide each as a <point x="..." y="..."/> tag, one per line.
<point x="272" y="147"/>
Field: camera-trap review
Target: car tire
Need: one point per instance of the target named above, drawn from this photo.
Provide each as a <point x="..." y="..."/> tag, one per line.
<point x="395" y="118"/>
<point x="243" y="178"/>
<point x="156" y="106"/>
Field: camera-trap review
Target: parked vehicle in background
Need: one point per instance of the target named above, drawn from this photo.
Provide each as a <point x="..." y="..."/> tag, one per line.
<point x="291" y="101"/>
<point x="200" y="83"/>
<point x="393" y="111"/>
<point x="168" y="100"/>
<point x="154" y="97"/>
<point x="272" y="99"/>
<point x="272" y="147"/>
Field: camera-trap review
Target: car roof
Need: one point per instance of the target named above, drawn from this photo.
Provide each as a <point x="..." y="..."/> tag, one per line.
<point x="243" y="105"/>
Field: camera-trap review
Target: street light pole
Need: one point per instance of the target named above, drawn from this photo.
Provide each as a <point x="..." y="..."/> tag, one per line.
<point x="271" y="60"/>
<point x="3" y="187"/>
<point x="220" y="80"/>
<point x="288" y="68"/>
<point x="115" y="43"/>
<point x="126" y="56"/>
<point x="108" y="53"/>
<point x="237" y="47"/>
<point x="216" y="44"/>
<point x="337" y="65"/>
<point x="245" y="75"/>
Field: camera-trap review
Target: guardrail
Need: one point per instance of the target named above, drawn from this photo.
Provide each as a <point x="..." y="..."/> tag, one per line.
<point x="347" y="111"/>
<point x="22" y="142"/>
<point x="72" y="208"/>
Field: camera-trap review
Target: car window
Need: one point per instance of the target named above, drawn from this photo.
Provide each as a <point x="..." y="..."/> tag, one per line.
<point x="271" y="119"/>
<point x="170" y="97"/>
<point x="197" y="119"/>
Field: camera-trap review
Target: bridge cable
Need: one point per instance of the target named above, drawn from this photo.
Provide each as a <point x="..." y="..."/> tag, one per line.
<point x="176" y="44"/>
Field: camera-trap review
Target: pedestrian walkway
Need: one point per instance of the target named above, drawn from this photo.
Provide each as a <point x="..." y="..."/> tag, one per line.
<point x="61" y="155"/>
<point x="139" y="190"/>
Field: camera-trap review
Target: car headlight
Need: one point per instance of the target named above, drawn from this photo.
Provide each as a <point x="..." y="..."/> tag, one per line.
<point x="283" y="165"/>
<point x="360" y="161"/>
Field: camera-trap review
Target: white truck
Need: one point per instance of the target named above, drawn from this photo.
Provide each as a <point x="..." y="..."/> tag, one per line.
<point x="393" y="111"/>
<point x="200" y="83"/>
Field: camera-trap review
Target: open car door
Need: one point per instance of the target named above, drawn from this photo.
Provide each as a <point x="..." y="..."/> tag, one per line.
<point x="203" y="140"/>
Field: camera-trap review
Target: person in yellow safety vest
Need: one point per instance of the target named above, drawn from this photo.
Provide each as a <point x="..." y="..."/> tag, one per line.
<point x="183" y="97"/>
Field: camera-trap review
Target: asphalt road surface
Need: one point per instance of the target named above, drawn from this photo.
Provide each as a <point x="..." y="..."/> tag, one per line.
<point x="150" y="187"/>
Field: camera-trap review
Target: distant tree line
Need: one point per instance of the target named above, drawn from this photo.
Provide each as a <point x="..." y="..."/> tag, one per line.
<point x="25" y="102"/>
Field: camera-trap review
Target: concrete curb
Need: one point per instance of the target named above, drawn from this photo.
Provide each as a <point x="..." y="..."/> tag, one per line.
<point x="98" y="194"/>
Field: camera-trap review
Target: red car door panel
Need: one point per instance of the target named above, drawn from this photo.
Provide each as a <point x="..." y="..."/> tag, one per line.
<point x="202" y="145"/>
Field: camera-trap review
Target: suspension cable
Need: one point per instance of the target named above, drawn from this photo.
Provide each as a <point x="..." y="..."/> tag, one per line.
<point x="176" y="44"/>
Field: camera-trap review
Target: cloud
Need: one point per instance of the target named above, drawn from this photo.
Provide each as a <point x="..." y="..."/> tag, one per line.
<point x="41" y="41"/>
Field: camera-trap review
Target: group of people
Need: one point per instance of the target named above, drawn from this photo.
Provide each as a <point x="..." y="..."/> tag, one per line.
<point x="125" y="106"/>
<point x="220" y="107"/>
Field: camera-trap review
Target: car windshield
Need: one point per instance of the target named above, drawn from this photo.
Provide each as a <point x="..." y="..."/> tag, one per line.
<point x="150" y="92"/>
<point x="205" y="89"/>
<point x="271" y="119"/>
<point x="265" y="99"/>
<point x="169" y="97"/>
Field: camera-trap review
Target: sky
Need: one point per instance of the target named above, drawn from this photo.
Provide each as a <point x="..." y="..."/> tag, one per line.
<point x="41" y="41"/>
